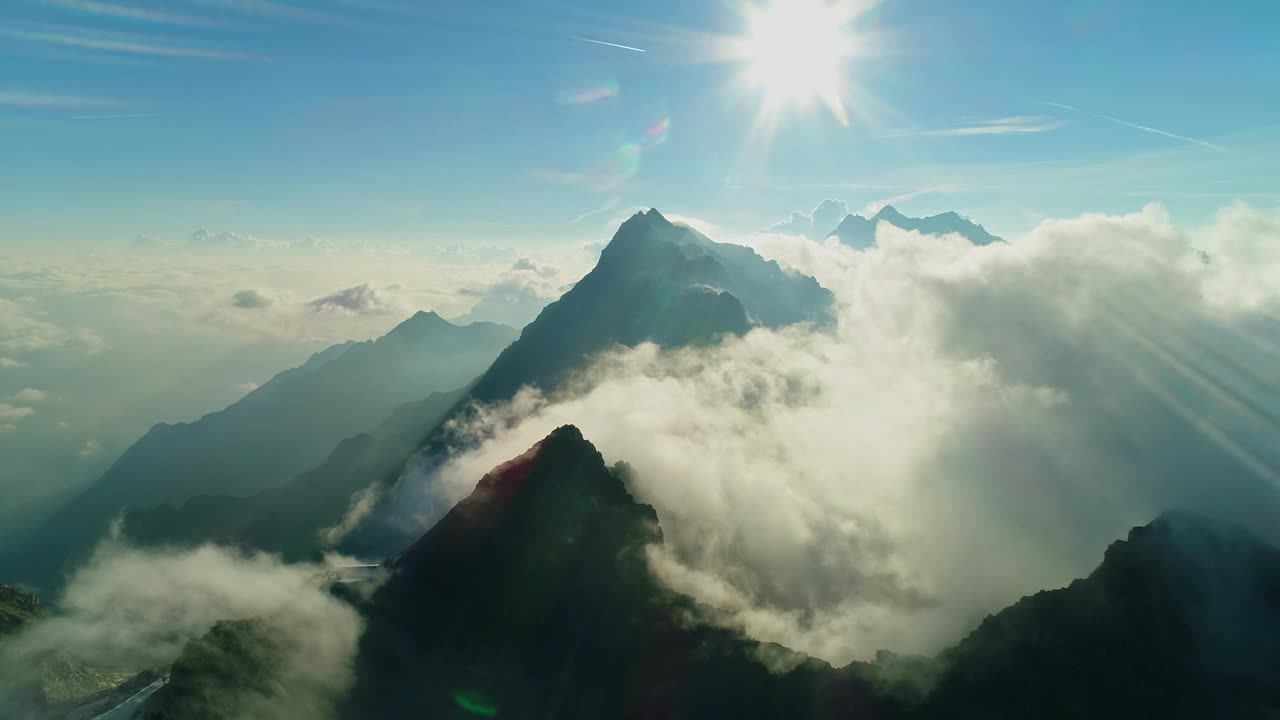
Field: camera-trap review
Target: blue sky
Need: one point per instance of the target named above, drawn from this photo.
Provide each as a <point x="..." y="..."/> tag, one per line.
<point x="390" y="120"/>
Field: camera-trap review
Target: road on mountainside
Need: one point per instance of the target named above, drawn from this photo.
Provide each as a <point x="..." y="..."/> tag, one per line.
<point x="128" y="709"/>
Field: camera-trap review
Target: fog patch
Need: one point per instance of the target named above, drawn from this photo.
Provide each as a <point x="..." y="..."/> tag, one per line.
<point x="130" y="608"/>
<point x="981" y="424"/>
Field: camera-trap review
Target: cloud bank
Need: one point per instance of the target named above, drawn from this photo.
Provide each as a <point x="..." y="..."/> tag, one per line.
<point x="252" y="300"/>
<point x="817" y="225"/>
<point x="517" y="296"/>
<point x="981" y="425"/>
<point x="363" y="299"/>
<point x="132" y="609"/>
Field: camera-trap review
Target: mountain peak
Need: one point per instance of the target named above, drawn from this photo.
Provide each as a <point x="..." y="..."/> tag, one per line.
<point x="888" y="212"/>
<point x="859" y="232"/>
<point x="650" y="218"/>
<point x="420" y="325"/>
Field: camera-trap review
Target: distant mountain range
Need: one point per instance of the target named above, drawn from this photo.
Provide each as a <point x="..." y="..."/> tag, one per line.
<point x="533" y="598"/>
<point x="285" y="519"/>
<point x="860" y="232"/>
<point x="288" y="425"/>
<point x="656" y="281"/>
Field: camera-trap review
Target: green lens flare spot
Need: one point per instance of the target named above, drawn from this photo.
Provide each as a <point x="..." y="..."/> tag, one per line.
<point x="474" y="703"/>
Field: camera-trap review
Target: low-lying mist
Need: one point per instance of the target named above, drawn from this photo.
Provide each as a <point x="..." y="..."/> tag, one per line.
<point x="129" y="609"/>
<point x="983" y="422"/>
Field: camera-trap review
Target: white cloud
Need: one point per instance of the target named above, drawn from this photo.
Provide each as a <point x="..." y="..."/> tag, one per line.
<point x="206" y="241"/>
<point x="311" y="244"/>
<point x="824" y="219"/>
<point x="981" y="425"/>
<point x="8" y="362"/>
<point x="30" y="396"/>
<point x="247" y="387"/>
<point x="14" y="412"/>
<point x="252" y="300"/>
<point x="518" y="294"/>
<point x="21" y="330"/>
<point x="7" y="428"/>
<point x="91" y="448"/>
<point x="133" y="609"/>
<point x="144" y="243"/>
<point x="363" y="299"/>
<point x="225" y="241"/>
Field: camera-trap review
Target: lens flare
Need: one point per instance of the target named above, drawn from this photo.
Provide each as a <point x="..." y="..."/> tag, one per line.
<point x="656" y="134"/>
<point x="475" y="703"/>
<point x="797" y="52"/>
<point x="587" y="96"/>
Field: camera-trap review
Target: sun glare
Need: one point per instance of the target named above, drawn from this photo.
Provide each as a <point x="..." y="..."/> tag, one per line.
<point x="796" y="51"/>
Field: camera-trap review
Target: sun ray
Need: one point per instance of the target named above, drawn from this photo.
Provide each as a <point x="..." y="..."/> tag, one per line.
<point x="797" y="54"/>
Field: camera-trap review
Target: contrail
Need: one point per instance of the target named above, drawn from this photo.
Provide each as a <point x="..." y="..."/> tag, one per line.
<point x="1136" y="126"/>
<point x="601" y="42"/>
<point x="104" y="117"/>
<point x="611" y="204"/>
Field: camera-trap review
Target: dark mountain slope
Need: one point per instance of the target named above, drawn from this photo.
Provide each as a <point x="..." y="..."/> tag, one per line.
<point x="285" y="519"/>
<point x="285" y="427"/>
<point x="532" y="598"/>
<point x="17" y="608"/>
<point x="1181" y="620"/>
<point x="659" y="282"/>
<point x="860" y="232"/>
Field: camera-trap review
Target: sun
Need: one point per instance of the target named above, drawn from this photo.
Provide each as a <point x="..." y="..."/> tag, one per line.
<point x="797" y="53"/>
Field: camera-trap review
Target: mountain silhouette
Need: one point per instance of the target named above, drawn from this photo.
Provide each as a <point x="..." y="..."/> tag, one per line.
<point x="659" y="282"/>
<point x="656" y="281"/>
<point x="274" y="433"/>
<point x="860" y="232"/>
<point x="285" y="519"/>
<point x="1181" y="620"/>
<point x="532" y="598"/>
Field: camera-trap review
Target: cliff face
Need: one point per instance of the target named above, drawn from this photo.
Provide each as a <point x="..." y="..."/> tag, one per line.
<point x="655" y="282"/>
<point x="532" y="598"/>
<point x="17" y="608"/>
<point x="1181" y="619"/>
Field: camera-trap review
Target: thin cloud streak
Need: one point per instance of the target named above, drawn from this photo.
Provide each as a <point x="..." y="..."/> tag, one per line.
<point x="125" y="46"/>
<point x="134" y="13"/>
<point x="43" y="100"/>
<point x="607" y="44"/>
<point x="1016" y="125"/>
<point x="877" y="205"/>
<point x="111" y="117"/>
<point x="1136" y="126"/>
<point x="611" y="204"/>
<point x="291" y="13"/>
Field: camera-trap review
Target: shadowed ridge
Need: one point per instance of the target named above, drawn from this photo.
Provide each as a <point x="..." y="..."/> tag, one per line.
<point x="533" y="598"/>
<point x="273" y="434"/>
<point x="860" y="232"/>
<point x="1180" y="620"/>
<point x="286" y="519"/>
<point x="659" y="282"/>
